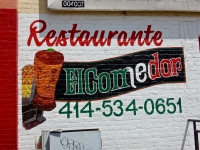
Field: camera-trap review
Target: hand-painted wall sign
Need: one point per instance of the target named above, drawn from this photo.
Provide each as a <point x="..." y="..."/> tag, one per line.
<point x="98" y="38"/>
<point x="51" y="79"/>
<point x="115" y="76"/>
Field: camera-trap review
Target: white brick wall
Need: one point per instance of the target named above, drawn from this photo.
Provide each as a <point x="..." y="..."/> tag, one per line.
<point x="128" y="132"/>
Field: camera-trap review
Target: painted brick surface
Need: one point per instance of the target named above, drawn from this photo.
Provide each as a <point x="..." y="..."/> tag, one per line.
<point x="128" y="131"/>
<point x="8" y="79"/>
<point x="8" y="4"/>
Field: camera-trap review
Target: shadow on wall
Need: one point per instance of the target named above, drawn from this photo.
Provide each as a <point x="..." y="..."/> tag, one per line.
<point x="185" y="135"/>
<point x="116" y="22"/>
<point x="68" y="28"/>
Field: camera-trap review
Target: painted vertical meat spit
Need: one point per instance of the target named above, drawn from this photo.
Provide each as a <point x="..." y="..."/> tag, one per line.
<point x="38" y="86"/>
<point x="47" y="67"/>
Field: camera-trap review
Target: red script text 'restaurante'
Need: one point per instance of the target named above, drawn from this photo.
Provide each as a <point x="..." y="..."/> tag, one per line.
<point x="75" y="36"/>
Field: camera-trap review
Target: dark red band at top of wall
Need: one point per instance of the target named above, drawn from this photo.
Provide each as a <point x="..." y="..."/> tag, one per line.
<point x="8" y="79"/>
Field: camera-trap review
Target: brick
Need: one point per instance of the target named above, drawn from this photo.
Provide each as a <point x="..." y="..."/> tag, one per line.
<point x="8" y="120"/>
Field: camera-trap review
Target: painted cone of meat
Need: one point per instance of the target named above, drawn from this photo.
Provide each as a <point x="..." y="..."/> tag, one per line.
<point x="47" y="66"/>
